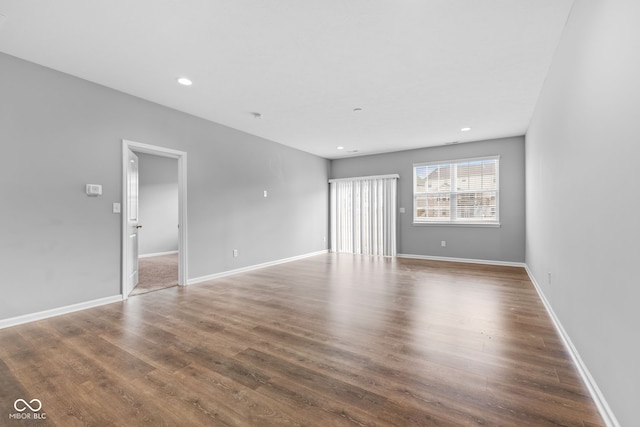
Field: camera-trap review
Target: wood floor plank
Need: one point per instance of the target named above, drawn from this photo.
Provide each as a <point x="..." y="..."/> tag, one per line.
<point x="330" y="340"/>
<point x="11" y="390"/>
<point x="248" y="375"/>
<point x="238" y="403"/>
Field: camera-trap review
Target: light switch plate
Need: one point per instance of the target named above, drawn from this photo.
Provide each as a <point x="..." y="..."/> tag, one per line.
<point x="116" y="208"/>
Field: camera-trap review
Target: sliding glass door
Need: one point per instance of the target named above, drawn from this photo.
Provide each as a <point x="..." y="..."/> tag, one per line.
<point x="363" y="215"/>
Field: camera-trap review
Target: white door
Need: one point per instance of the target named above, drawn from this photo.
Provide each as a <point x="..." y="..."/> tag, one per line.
<point x="132" y="222"/>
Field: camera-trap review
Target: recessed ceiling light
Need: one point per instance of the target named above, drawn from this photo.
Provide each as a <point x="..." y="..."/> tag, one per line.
<point x="340" y="147"/>
<point x="467" y="129"/>
<point x="185" y="81"/>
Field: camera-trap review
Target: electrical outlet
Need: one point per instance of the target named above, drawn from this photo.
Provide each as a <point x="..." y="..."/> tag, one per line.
<point x="235" y="252"/>
<point x="443" y="243"/>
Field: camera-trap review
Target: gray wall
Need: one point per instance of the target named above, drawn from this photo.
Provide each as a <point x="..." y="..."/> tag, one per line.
<point x="59" y="247"/>
<point x="505" y="243"/>
<point x="158" y="204"/>
<point x="583" y="198"/>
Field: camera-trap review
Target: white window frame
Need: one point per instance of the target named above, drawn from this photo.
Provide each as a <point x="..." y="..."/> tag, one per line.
<point x="452" y="199"/>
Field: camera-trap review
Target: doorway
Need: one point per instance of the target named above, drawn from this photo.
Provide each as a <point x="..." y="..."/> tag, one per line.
<point x="159" y="264"/>
<point x="158" y="222"/>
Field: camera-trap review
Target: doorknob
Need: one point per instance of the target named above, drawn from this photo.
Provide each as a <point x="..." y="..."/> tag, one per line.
<point x="138" y="226"/>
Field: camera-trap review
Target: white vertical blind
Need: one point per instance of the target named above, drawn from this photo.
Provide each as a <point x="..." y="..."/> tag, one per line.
<point x="363" y="215"/>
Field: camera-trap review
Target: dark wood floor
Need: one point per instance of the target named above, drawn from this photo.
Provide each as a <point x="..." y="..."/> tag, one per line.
<point x="326" y="341"/>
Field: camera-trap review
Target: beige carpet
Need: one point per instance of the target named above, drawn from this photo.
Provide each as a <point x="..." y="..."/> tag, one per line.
<point x="155" y="273"/>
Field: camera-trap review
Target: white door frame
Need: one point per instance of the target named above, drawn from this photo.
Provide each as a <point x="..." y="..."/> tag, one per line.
<point x="181" y="156"/>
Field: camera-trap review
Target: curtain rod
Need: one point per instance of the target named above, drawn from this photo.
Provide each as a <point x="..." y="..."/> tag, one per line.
<point x="366" y="178"/>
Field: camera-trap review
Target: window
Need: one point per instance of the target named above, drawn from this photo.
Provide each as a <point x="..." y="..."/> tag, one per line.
<point x="458" y="192"/>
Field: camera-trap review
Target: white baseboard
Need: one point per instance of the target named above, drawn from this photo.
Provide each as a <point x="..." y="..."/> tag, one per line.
<point x="465" y="260"/>
<point x="597" y="396"/>
<point x="251" y="268"/>
<point x="32" y="317"/>
<point x="157" y="254"/>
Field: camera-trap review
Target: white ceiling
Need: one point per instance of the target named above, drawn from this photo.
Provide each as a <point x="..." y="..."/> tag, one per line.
<point x="420" y="69"/>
